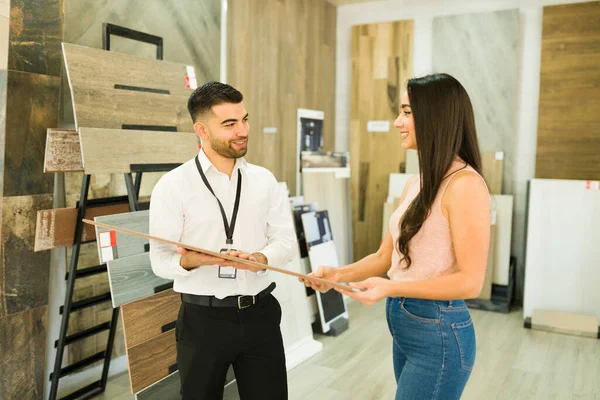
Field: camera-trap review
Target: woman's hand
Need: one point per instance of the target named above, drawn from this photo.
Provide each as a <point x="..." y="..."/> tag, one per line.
<point x="372" y="290"/>
<point x="328" y="273"/>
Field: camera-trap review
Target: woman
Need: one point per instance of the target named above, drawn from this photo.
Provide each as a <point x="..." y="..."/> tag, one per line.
<point x="437" y="245"/>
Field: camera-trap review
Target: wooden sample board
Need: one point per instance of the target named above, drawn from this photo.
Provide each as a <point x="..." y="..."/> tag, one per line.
<point x="569" y="148"/>
<point x="56" y="227"/>
<point x="131" y="278"/>
<point x="381" y="64"/>
<point x="492" y="165"/>
<point x="503" y="205"/>
<point x="114" y="150"/>
<point x="561" y="267"/>
<point x="330" y="188"/>
<point x="567" y="323"/>
<point x="122" y="245"/>
<point x="486" y="292"/>
<point x="63" y="151"/>
<point x="151" y="360"/>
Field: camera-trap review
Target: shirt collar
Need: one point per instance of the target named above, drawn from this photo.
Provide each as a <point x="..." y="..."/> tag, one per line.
<point x="206" y="165"/>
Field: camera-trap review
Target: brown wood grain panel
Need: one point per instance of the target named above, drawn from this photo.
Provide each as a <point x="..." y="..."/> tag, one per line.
<point x="569" y="147"/>
<point x="381" y="64"/>
<point x="56" y="227"/>
<point x="63" y="151"/>
<point x="113" y="150"/>
<point x="143" y="319"/>
<point x="23" y="349"/>
<point x="150" y="360"/>
<point x="289" y="64"/>
<point x="90" y="67"/>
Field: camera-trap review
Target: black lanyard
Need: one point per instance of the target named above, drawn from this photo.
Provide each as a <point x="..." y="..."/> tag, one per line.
<point x="228" y="228"/>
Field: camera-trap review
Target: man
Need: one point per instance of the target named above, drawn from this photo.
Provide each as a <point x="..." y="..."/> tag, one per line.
<point x="220" y="202"/>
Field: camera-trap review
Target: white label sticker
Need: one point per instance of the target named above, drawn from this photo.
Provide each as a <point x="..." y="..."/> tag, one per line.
<point x="270" y="129"/>
<point x="107" y="254"/>
<point x="191" y="77"/>
<point x="378" y="126"/>
<point x="105" y="239"/>
<point x="499" y="155"/>
<point x="342" y="173"/>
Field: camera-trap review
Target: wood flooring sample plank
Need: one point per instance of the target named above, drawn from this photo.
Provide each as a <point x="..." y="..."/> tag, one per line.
<point x="56" y="227"/>
<point x="63" y="151"/>
<point x="493" y="167"/>
<point x="150" y="361"/>
<point x="131" y="278"/>
<point x="145" y="318"/>
<point x="113" y="151"/>
<point x="126" y="245"/>
<point x="92" y="67"/>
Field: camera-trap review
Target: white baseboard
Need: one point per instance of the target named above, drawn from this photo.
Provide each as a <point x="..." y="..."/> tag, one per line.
<point x="301" y="351"/>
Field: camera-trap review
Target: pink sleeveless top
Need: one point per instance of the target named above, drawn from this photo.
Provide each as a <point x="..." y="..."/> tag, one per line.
<point x="431" y="248"/>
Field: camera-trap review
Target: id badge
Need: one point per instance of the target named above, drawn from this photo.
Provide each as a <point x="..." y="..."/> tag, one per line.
<point x="227" y="272"/>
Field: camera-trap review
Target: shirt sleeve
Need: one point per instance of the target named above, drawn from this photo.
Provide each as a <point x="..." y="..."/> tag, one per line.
<point x="166" y="221"/>
<point x="281" y="236"/>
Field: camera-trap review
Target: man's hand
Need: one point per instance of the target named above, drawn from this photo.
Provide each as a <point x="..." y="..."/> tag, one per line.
<point x="256" y="257"/>
<point x="191" y="259"/>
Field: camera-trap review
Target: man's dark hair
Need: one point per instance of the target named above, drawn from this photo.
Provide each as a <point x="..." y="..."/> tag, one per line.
<point x="211" y="94"/>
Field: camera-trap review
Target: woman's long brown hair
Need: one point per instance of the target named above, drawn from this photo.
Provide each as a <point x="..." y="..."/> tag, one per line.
<point x="444" y="129"/>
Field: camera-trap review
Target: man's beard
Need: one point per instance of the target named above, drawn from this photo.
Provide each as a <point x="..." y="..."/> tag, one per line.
<point x="223" y="148"/>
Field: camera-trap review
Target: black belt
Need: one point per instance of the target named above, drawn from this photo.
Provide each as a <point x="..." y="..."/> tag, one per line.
<point x="240" y="302"/>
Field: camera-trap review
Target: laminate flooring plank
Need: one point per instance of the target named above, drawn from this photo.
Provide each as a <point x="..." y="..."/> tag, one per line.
<point x="56" y="227"/>
<point x="131" y="278"/>
<point x="125" y="245"/>
<point x="63" y="151"/>
<point x="92" y="67"/>
<point x="150" y="361"/>
<point x="493" y="167"/>
<point x="113" y="151"/>
<point x="111" y="109"/>
<point x="146" y="318"/>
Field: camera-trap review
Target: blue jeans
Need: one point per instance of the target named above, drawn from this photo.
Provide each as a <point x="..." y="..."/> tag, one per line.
<point x="433" y="347"/>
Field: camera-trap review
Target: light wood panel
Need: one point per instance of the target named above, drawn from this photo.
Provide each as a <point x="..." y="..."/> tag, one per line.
<point x="131" y="278"/>
<point x="486" y="291"/>
<point x="288" y="64"/>
<point x="381" y="65"/>
<point x="492" y="165"/>
<point x="150" y="360"/>
<point x="113" y="151"/>
<point x="567" y="323"/>
<point x="104" y="69"/>
<point x="63" y="151"/>
<point x="569" y="148"/>
<point x="56" y="227"/>
<point x="145" y="318"/>
<point x="126" y="245"/>
<point x="503" y="205"/>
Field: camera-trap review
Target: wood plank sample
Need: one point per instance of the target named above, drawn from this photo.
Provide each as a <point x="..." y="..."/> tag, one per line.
<point x="126" y="245"/>
<point x="564" y="322"/>
<point x="503" y="205"/>
<point x="381" y="65"/>
<point x="23" y="349"/>
<point x="492" y="165"/>
<point x="31" y="108"/>
<point x="91" y="67"/>
<point x="36" y="31"/>
<point x="63" y="151"/>
<point x="24" y="274"/>
<point x="297" y="68"/>
<point x="113" y="151"/>
<point x="569" y="148"/>
<point x="131" y="278"/>
<point x="167" y="388"/>
<point x="56" y="227"/>
<point x="150" y="360"/>
<point x="486" y="291"/>
<point x="145" y="318"/>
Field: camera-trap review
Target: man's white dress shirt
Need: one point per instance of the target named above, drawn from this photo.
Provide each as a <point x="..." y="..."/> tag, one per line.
<point x="182" y="209"/>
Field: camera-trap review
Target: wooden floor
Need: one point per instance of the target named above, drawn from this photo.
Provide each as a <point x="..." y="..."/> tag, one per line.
<point x="512" y="363"/>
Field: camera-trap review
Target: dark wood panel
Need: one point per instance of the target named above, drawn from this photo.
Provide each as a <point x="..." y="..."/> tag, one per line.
<point x="3" y="76"/>
<point x="113" y="151"/>
<point x="150" y="361"/>
<point x="36" y="31"/>
<point x="288" y="64"/>
<point x="31" y="108"/>
<point x="144" y="319"/>
<point x="24" y="274"/>
<point x="63" y="151"/>
<point x="569" y="147"/>
<point x="23" y="349"/>
<point x="56" y="227"/>
<point x="89" y="67"/>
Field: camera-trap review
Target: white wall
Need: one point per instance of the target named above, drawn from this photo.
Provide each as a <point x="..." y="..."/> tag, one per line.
<point x="423" y="12"/>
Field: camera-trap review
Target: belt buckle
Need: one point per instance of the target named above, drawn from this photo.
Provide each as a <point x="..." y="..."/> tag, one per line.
<point x="244" y="301"/>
